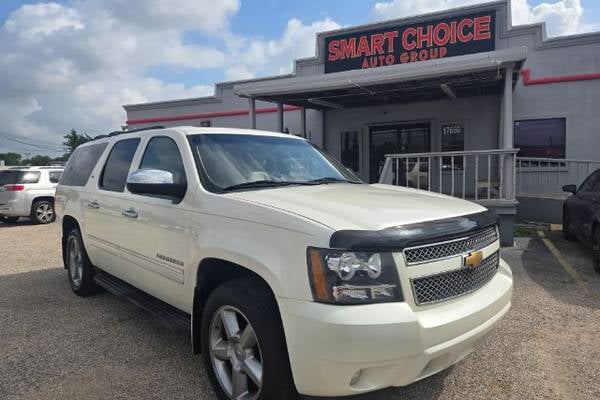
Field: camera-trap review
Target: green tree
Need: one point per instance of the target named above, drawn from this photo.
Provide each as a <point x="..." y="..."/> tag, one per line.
<point x="38" y="160"/>
<point x="11" y="158"/>
<point x="74" y="139"/>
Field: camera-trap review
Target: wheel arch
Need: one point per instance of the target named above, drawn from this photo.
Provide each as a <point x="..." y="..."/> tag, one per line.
<point x="68" y="224"/>
<point x="211" y="273"/>
<point x="42" y="198"/>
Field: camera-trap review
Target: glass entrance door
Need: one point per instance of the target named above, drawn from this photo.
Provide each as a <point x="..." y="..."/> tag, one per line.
<point x="398" y="138"/>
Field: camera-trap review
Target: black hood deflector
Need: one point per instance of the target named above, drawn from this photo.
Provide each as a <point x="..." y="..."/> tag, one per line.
<point x="400" y="237"/>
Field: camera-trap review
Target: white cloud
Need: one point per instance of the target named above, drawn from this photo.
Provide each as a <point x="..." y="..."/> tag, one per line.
<point x="42" y="19"/>
<point x="74" y="65"/>
<point x="563" y="17"/>
<point x="262" y="57"/>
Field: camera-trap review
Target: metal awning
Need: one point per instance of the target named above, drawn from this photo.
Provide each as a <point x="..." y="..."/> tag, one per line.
<point x="468" y="75"/>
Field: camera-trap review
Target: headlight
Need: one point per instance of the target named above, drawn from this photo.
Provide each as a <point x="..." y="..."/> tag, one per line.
<point x="349" y="277"/>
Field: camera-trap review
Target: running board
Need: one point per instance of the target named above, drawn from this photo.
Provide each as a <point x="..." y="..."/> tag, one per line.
<point x="166" y="314"/>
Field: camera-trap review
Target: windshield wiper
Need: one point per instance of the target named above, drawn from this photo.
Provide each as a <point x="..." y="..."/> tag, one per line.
<point x="329" y="179"/>
<point x="259" y="184"/>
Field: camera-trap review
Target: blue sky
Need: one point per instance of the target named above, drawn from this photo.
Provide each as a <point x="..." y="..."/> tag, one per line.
<point x="74" y="63"/>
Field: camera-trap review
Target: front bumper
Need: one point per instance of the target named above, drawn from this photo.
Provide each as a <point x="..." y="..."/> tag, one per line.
<point x="345" y="350"/>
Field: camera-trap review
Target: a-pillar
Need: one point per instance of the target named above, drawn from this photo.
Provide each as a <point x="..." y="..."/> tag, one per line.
<point x="303" y="121"/>
<point x="280" y="117"/>
<point x="252" y="102"/>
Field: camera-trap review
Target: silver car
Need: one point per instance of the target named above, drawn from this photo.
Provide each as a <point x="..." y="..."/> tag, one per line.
<point x="28" y="192"/>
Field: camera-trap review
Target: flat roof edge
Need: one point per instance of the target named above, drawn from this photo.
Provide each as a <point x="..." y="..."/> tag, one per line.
<point x="383" y="75"/>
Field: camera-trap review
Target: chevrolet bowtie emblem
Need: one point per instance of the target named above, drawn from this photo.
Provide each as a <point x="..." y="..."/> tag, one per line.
<point x="473" y="259"/>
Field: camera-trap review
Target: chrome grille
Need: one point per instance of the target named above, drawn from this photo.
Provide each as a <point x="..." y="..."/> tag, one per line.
<point x="444" y="286"/>
<point x="479" y="240"/>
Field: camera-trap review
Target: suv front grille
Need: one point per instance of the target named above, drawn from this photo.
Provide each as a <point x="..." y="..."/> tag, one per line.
<point x="479" y="240"/>
<point x="458" y="282"/>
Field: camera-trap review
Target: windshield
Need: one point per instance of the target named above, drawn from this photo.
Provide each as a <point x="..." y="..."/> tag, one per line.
<point x="229" y="162"/>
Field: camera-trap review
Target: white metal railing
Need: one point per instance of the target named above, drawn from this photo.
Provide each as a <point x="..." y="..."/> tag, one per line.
<point x="476" y="174"/>
<point x="546" y="176"/>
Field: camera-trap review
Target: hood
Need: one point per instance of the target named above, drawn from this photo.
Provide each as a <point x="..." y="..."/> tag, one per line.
<point x="362" y="207"/>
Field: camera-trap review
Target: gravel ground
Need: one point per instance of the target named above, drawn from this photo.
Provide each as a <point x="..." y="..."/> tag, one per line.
<point x="55" y="345"/>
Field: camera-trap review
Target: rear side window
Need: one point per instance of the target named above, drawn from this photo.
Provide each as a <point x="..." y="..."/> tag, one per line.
<point x="162" y="153"/>
<point x="117" y="165"/>
<point x="54" y="176"/>
<point x="30" y="177"/>
<point x="13" y="177"/>
<point x="81" y="164"/>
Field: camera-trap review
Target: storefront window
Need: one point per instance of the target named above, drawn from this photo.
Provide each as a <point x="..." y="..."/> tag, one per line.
<point x="541" y="138"/>
<point x="350" y="150"/>
<point x="453" y="139"/>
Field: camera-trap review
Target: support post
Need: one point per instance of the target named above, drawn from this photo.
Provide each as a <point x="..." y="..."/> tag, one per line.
<point x="303" y="121"/>
<point x="252" y="102"/>
<point x="280" y="117"/>
<point x="507" y="137"/>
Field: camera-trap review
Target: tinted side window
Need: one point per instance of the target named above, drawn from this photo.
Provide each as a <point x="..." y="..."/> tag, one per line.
<point x="117" y="165"/>
<point x="162" y="153"/>
<point x="54" y="176"/>
<point x="81" y="164"/>
<point x="30" y="177"/>
<point x="592" y="183"/>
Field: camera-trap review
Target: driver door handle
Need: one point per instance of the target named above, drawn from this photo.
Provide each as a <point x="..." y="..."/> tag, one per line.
<point x="94" y="204"/>
<point x="129" y="212"/>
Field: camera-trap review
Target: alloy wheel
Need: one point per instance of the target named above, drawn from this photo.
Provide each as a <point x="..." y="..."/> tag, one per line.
<point x="235" y="354"/>
<point x="44" y="213"/>
<point x="75" y="262"/>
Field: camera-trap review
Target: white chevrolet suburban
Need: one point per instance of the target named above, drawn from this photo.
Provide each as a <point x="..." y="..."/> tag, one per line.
<point x="291" y="275"/>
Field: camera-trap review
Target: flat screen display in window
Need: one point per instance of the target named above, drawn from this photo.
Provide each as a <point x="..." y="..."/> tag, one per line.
<point x="541" y="138"/>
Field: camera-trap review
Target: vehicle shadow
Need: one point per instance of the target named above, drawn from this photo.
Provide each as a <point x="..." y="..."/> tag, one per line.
<point x="20" y="222"/>
<point x="56" y="345"/>
<point x="428" y="388"/>
<point x="542" y="267"/>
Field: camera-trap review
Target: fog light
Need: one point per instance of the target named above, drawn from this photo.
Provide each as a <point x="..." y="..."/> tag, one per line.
<point x="356" y="292"/>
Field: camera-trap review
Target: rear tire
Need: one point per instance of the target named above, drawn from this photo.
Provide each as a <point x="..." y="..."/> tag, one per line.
<point x="9" y="220"/>
<point x="567" y="235"/>
<point x="238" y="367"/>
<point x="596" y="248"/>
<point x="79" y="267"/>
<point x="42" y="212"/>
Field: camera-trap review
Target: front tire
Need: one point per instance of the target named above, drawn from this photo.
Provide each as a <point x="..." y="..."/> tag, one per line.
<point x="243" y="345"/>
<point x="42" y="212"/>
<point x="79" y="267"/>
<point x="567" y="234"/>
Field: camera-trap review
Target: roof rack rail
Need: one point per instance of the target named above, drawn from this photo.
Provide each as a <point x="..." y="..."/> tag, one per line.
<point x="116" y="133"/>
<point x="146" y="128"/>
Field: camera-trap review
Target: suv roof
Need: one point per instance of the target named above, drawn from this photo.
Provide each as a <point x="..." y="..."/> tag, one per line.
<point x="188" y="130"/>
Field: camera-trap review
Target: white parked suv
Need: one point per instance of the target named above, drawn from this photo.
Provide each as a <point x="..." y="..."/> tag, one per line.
<point x="28" y="192"/>
<point x="291" y="274"/>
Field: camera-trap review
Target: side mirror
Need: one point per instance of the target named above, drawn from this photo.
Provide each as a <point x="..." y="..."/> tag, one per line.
<point x="155" y="182"/>
<point x="570" y="189"/>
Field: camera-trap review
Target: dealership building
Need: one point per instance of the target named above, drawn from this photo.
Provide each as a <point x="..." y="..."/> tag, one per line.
<point x="459" y="102"/>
